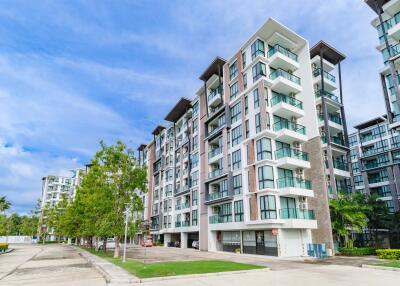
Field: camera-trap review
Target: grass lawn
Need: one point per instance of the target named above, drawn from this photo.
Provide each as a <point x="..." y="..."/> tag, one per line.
<point x="160" y="269"/>
<point x="395" y="264"/>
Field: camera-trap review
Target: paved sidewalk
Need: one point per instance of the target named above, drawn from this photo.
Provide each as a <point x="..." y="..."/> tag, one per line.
<point x="42" y="265"/>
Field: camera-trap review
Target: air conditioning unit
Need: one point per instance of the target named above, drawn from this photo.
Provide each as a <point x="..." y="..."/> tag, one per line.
<point x="303" y="206"/>
<point x="296" y="145"/>
<point x="314" y="66"/>
<point x="299" y="173"/>
<point x="293" y="119"/>
<point x="290" y="72"/>
<point x="303" y="200"/>
<point x="292" y="94"/>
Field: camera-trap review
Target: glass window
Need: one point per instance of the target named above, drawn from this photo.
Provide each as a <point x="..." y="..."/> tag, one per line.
<point x="233" y="70"/>
<point x="257" y="48"/>
<point x="236" y="159"/>
<point x="244" y="80"/>
<point x="268" y="207"/>
<point x="225" y="212"/>
<point x="244" y="59"/>
<point x="194" y="178"/>
<point x="259" y="70"/>
<point x="264" y="149"/>
<point x="358" y="180"/>
<point x="234" y="90"/>
<point x="237" y="184"/>
<point x="194" y="217"/>
<point x="247" y="128"/>
<point x="265" y="177"/>
<point x="195" y="197"/>
<point x="258" y="122"/>
<point x="238" y="208"/>
<point x="256" y="98"/>
<point x="236" y="135"/>
<point x="236" y="112"/>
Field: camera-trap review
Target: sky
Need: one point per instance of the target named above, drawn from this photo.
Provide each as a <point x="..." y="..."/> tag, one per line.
<point x="75" y="72"/>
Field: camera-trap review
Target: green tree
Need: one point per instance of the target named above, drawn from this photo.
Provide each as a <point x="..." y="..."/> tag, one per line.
<point x="348" y="214"/>
<point x="378" y="216"/>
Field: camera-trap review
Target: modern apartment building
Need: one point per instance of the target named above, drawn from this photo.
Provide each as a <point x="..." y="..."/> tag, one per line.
<point x="387" y="24"/>
<point x="375" y="158"/>
<point x="240" y="167"/>
<point x="327" y="80"/>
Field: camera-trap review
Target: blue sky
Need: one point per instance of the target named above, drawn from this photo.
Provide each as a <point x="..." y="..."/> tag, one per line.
<point x="75" y="72"/>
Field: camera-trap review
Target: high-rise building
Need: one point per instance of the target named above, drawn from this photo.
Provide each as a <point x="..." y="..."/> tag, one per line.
<point x="387" y="24"/>
<point x="375" y="158"/>
<point x="325" y="60"/>
<point x="240" y="167"/>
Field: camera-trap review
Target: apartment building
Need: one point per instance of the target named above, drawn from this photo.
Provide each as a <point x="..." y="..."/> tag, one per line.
<point x="387" y="24"/>
<point x="327" y="81"/>
<point x="240" y="167"/>
<point x="55" y="187"/>
<point x="375" y="158"/>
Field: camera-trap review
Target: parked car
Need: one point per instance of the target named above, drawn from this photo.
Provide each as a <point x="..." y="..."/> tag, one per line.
<point x="110" y="244"/>
<point x="171" y="244"/>
<point x="177" y="244"/>
<point x="147" y="243"/>
<point x="195" y="244"/>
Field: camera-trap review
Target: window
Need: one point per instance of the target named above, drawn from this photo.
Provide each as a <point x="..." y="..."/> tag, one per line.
<point x="246" y="105"/>
<point x="244" y="59"/>
<point x="256" y="98"/>
<point x="268" y="121"/>
<point x="195" y="160"/>
<point x="195" y="195"/>
<point x="238" y="209"/>
<point x="353" y="140"/>
<point x="194" y="178"/>
<point x="266" y="96"/>
<point x="233" y="70"/>
<point x="194" y="217"/>
<point x="265" y="177"/>
<point x="258" y="122"/>
<point x="225" y="212"/>
<point x="247" y="128"/>
<point x="234" y="90"/>
<point x="244" y="80"/>
<point x="264" y="149"/>
<point x="236" y="159"/>
<point x="267" y="207"/>
<point x="259" y="70"/>
<point x="358" y="180"/>
<point x="236" y="135"/>
<point x="257" y="48"/>
<point x="195" y="108"/>
<point x="355" y="167"/>
<point x="237" y="184"/>
<point x="236" y="112"/>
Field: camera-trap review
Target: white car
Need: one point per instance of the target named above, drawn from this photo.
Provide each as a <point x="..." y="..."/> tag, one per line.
<point x="110" y="244"/>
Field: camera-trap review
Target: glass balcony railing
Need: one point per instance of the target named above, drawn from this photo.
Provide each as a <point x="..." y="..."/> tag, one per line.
<point x="214" y="93"/>
<point x="182" y="223"/>
<point x="279" y="49"/>
<point x="182" y="206"/>
<point x="329" y="95"/>
<point x="377" y="179"/>
<point x="292" y="213"/>
<point x="286" y="124"/>
<point x="219" y="219"/>
<point x="290" y="182"/>
<point x="344" y="189"/>
<point x="215" y="127"/>
<point x="327" y="75"/>
<point x="332" y="117"/>
<point x="374" y="164"/>
<point x="292" y="153"/>
<point x="282" y="73"/>
<point x="334" y="139"/>
<point x="373" y="150"/>
<point x="340" y="165"/>
<point x="217" y="195"/>
<point x="215" y="173"/>
<point x="215" y="152"/>
<point x="277" y="98"/>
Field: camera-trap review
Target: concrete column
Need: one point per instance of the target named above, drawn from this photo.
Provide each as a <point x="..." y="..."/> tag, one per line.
<point x="184" y="239"/>
<point x="167" y="239"/>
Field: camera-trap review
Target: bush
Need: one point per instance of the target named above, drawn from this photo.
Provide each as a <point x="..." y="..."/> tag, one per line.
<point x="358" y="251"/>
<point x="3" y="246"/>
<point x="388" y="254"/>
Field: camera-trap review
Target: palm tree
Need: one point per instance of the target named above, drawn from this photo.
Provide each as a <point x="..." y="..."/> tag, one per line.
<point x="4" y="205"/>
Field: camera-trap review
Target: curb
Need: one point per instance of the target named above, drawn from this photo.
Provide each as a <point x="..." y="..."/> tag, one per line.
<point x="387" y="268"/>
<point x="144" y="280"/>
<point x="111" y="273"/>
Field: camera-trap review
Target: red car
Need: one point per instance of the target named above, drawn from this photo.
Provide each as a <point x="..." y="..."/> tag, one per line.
<point x="147" y="243"/>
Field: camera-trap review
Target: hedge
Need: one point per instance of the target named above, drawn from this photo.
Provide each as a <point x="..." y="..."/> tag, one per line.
<point x="3" y="246"/>
<point x="388" y="253"/>
<point x="358" y="251"/>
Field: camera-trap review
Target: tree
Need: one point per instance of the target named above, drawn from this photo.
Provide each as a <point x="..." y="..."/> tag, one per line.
<point x="4" y="204"/>
<point x="348" y="214"/>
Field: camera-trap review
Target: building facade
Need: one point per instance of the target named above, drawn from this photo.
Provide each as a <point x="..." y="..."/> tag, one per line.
<point x="239" y="167"/>
<point x="387" y="24"/>
<point x="375" y="158"/>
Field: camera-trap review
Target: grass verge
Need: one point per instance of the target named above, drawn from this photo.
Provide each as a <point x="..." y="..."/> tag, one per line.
<point x="160" y="269"/>
<point x="395" y="264"/>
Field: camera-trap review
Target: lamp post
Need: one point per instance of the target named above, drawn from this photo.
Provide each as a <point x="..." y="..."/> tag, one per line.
<point x="126" y="231"/>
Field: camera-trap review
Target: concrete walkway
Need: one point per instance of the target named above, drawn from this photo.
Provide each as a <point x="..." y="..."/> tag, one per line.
<point x="47" y="265"/>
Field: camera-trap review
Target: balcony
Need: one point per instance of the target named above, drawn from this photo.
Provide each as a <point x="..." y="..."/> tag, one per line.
<point x="215" y="173"/>
<point x="183" y="206"/>
<point x="290" y="186"/>
<point x="375" y="164"/>
<point x="328" y="95"/>
<point x="215" y="152"/>
<point x="289" y="132"/>
<point x="340" y="169"/>
<point x="286" y="106"/>
<point x="289" y="158"/>
<point x="215" y="96"/>
<point x="214" y="128"/>
<point x="281" y="57"/>
<point x="334" y="139"/>
<point x="284" y="82"/>
<point x="219" y="219"/>
<point x="217" y="196"/>
<point x="329" y="80"/>
<point x="334" y="122"/>
<point x="292" y="213"/>
<point x="394" y="30"/>
<point x="182" y="223"/>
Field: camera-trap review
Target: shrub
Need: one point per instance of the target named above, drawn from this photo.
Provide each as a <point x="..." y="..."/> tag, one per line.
<point x="388" y="254"/>
<point x="3" y="246"/>
<point x="358" y="251"/>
